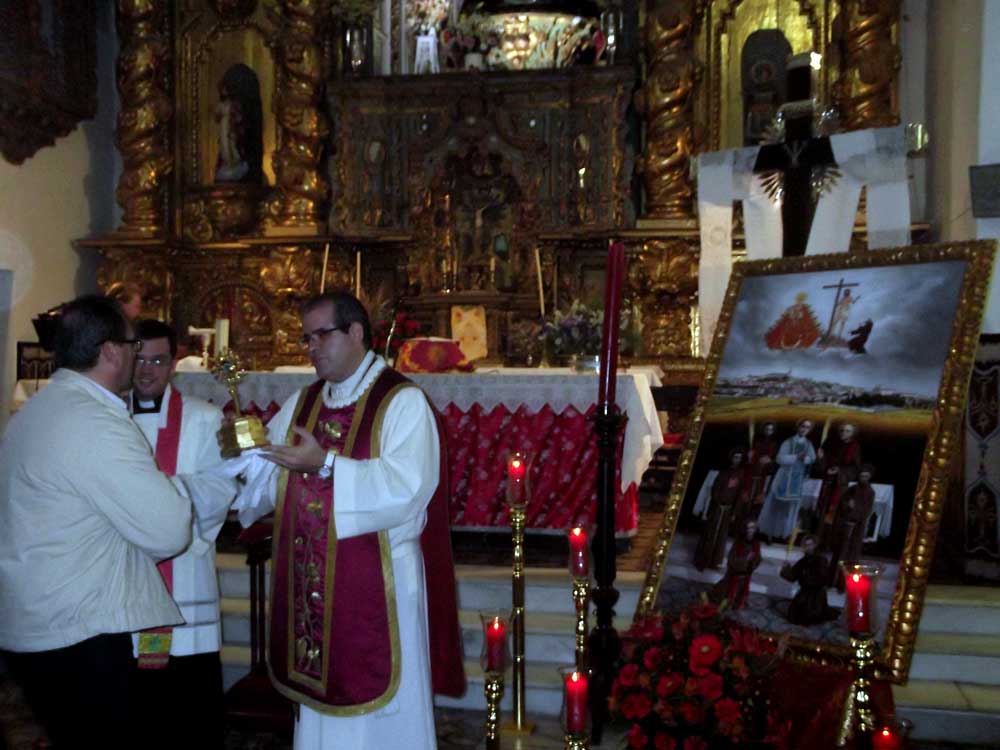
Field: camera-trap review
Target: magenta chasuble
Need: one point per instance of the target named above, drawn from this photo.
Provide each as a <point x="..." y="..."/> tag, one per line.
<point x="334" y="640"/>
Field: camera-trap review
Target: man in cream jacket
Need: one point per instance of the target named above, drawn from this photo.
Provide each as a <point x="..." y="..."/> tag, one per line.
<point x="84" y="517"/>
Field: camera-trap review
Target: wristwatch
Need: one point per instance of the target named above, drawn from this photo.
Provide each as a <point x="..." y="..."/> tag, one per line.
<point x="326" y="470"/>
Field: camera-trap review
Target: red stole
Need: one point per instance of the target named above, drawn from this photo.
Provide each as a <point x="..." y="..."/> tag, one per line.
<point x="154" y="644"/>
<point x="340" y="659"/>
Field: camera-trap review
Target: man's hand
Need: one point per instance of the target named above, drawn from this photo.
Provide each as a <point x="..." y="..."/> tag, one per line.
<point x="307" y="456"/>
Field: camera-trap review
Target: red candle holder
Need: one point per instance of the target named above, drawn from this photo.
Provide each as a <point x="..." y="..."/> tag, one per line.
<point x="860" y="585"/>
<point x="495" y="654"/>
<point x="518" y="481"/>
<point x="579" y="553"/>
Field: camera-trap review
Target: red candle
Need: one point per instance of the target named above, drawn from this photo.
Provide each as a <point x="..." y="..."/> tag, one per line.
<point x="858" y="595"/>
<point x="576" y="703"/>
<point x="612" y="317"/>
<point x="517" y="467"/>
<point x="579" y="560"/>
<point x="496" y="645"/>
<point x="887" y="738"/>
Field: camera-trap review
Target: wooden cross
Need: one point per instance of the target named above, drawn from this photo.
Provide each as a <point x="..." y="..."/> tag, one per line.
<point x="794" y="159"/>
<point x="839" y="286"/>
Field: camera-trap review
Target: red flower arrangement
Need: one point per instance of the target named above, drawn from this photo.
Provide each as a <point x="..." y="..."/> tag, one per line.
<point x="405" y="328"/>
<point x="696" y="682"/>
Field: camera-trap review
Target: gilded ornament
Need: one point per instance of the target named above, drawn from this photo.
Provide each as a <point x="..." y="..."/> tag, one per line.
<point x="866" y="92"/>
<point x="142" y="134"/>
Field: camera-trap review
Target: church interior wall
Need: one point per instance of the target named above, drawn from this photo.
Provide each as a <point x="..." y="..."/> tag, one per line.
<point x="63" y="192"/>
<point x="989" y="139"/>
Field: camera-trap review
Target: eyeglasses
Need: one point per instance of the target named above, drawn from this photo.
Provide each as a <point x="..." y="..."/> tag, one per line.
<point x="136" y="344"/>
<point x="160" y="360"/>
<point x="321" y="333"/>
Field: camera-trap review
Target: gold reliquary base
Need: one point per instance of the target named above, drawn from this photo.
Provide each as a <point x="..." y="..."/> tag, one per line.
<point x="242" y="434"/>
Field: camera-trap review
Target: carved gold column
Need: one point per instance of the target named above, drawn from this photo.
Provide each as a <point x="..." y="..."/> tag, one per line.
<point x="665" y="279"/>
<point x="142" y="134"/>
<point x="298" y="203"/>
<point x="867" y="90"/>
<point x="666" y="102"/>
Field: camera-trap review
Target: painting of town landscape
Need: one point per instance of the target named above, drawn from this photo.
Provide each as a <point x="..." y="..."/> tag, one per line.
<point x="813" y="440"/>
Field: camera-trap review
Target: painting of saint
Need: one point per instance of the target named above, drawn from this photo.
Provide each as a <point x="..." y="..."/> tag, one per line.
<point x="797" y="328"/>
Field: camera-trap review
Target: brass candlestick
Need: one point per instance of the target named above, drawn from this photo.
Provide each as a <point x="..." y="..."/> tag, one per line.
<point x="859" y="716"/>
<point x="518" y="493"/>
<point x="581" y="598"/>
<point x="576" y="741"/>
<point x="493" y="687"/>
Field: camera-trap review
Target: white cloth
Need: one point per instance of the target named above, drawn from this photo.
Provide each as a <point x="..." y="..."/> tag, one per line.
<point x="195" y="583"/>
<point x="875" y="158"/>
<point x="390" y="493"/>
<point x="514" y="387"/>
<point x="84" y="515"/>
<point x="724" y="177"/>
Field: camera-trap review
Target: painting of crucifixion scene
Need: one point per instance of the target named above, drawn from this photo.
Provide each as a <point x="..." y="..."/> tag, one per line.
<point x="813" y="442"/>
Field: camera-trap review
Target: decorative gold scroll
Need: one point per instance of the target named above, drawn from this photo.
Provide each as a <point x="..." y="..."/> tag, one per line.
<point x="867" y="95"/>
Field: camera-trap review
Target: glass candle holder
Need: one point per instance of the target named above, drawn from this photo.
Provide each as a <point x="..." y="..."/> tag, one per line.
<point x="575" y="713"/>
<point x="860" y="585"/>
<point x="518" y="478"/>
<point x="579" y="553"/>
<point x="495" y="655"/>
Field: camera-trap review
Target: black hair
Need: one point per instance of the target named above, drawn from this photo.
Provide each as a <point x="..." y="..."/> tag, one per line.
<point x="347" y="309"/>
<point x="156" y="329"/>
<point x="84" y="325"/>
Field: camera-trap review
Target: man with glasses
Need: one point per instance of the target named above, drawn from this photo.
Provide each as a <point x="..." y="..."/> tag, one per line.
<point x="360" y="462"/>
<point x="179" y="669"/>
<point x="84" y="517"/>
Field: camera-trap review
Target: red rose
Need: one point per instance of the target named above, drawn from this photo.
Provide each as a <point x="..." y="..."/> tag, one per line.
<point x="636" y="706"/>
<point x="704" y="652"/>
<point x="727" y="711"/>
<point x="652" y="658"/>
<point x="636" y="737"/>
<point x="692" y="712"/>
<point x="710" y="687"/>
<point x="664" y="741"/>
<point x="704" y="610"/>
<point x="695" y="743"/>
<point x="629" y="675"/>
<point x="669" y="685"/>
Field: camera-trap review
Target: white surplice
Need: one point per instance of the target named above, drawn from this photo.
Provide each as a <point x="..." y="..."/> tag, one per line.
<point x="195" y="584"/>
<point x="391" y="493"/>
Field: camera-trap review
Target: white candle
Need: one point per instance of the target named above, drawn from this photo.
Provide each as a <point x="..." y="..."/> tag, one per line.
<point x="221" y="335"/>
<point x="541" y="288"/>
<point x="357" y="274"/>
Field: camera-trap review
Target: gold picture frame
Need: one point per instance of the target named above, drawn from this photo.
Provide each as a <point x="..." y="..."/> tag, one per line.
<point x="967" y="267"/>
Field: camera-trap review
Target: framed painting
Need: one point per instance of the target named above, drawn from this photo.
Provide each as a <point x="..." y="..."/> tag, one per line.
<point x="826" y="431"/>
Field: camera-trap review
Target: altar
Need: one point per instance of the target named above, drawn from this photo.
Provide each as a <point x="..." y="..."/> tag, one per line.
<point x="487" y="413"/>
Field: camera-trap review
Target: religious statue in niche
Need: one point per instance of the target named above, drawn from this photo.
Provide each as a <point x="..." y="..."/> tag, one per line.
<point x="373" y="188"/>
<point x="762" y="68"/>
<point x="239" y="118"/>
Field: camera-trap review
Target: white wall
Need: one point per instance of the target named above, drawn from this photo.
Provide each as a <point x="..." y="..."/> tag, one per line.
<point x="64" y="192"/>
<point x="989" y="138"/>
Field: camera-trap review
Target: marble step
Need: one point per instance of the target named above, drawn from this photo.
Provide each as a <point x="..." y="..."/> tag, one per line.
<point x="949" y="711"/>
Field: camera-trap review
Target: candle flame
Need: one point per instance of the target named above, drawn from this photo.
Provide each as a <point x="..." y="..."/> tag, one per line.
<point x="515" y="464"/>
<point x="496" y="623"/>
<point x="575" y="677"/>
<point x="856" y="577"/>
<point x="576" y="531"/>
<point x="886" y="733"/>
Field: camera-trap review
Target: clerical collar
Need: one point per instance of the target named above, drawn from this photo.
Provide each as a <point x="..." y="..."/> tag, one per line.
<point x="141" y="406"/>
<point x="350" y="389"/>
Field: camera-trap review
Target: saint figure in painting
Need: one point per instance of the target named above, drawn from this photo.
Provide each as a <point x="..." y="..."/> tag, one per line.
<point x="797" y="328"/>
<point x="838" y="462"/>
<point x="859" y="337"/>
<point x="727" y="492"/>
<point x="761" y="467"/>
<point x="811" y="573"/>
<point x="780" y="513"/>
<point x="841" y="311"/>
<point x="744" y="557"/>
<point x="851" y="523"/>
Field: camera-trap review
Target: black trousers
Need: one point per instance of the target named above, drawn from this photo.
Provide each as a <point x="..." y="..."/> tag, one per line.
<point x="81" y="694"/>
<point x="180" y="706"/>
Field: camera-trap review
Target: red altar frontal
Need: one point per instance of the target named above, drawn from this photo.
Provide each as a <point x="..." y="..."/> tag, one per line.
<point x="489" y="413"/>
